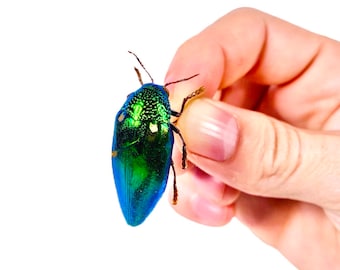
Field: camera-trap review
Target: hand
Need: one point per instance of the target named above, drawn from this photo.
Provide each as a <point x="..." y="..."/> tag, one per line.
<point x="264" y="141"/>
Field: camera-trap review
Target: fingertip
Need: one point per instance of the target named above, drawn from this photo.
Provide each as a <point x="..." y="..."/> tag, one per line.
<point x="195" y="56"/>
<point x="211" y="214"/>
<point x="212" y="189"/>
<point x="198" y="209"/>
<point x="203" y="200"/>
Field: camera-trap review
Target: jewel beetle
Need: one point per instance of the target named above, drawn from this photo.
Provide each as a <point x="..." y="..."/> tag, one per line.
<point x="142" y="147"/>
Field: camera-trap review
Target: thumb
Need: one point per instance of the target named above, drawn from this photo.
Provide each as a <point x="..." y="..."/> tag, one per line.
<point x="260" y="155"/>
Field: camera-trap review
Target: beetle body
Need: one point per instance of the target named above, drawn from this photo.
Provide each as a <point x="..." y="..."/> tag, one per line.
<point x="141" y="151"/>
<point x="142" y="148"/>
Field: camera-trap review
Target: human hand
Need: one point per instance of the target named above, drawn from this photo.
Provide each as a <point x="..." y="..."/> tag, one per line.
<point x="263" y="143"/>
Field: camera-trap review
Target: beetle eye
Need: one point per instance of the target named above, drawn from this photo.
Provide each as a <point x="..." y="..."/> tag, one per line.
<point x="166" y="91"/>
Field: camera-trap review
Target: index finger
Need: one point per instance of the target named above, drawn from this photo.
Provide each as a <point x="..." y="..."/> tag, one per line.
<point x="244" y="43"/>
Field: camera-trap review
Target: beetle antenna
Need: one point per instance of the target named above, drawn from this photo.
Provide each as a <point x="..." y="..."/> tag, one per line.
<point x="139" y="76"/>
<point x="181" y="80"/>
<point x="140" y="62"/>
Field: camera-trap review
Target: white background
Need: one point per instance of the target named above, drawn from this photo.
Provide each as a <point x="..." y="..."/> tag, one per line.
<point x="64" y="73"/>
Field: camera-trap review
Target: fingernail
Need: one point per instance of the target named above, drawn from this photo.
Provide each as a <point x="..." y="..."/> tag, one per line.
<point x="211" y="131"/>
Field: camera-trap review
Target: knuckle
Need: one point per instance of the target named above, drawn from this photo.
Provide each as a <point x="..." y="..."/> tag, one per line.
<point x="281" y="153"/>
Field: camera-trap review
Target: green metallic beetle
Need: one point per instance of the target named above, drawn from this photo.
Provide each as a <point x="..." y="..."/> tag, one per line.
<point x="142" y="148"/>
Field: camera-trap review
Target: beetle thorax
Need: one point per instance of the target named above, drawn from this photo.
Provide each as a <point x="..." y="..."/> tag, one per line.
<point x="150" y="103"/>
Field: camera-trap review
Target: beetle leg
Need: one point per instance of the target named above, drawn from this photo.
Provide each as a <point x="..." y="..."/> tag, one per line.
<point x="184" y="146"/>
<point x="185" y="100"/>
<point x="175" y="194"/>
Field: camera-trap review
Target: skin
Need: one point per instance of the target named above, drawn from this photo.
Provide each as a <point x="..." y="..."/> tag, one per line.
<point x="263" y="140"/>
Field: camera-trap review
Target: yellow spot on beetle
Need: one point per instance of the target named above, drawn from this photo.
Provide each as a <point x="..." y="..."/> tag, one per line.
<point x="121" y="117"/>
<point x="153" y="127"/>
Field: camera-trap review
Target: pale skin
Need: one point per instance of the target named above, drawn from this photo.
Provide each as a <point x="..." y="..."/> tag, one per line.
<point x="263" y="140"/>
